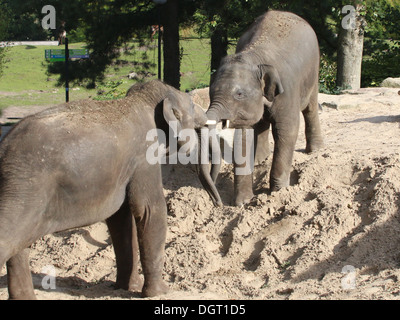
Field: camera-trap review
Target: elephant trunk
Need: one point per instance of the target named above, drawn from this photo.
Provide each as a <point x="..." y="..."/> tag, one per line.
<point x="213" y="115"/>
<point x="217" y="113"/>
<point x="209" y="140"/>
<point x="215" y="153"/>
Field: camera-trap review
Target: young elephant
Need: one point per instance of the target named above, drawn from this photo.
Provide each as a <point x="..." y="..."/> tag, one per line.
<point x="268" y="82"/>
<point x="83" y="162"/>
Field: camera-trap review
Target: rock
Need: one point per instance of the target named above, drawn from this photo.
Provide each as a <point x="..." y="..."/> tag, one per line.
<point x="391" y="83"/>
<point x="331" y="105"/>
<point x="133" y="75"/>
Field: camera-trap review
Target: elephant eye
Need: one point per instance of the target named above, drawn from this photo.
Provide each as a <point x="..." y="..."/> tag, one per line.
<point x="240" y="95"/>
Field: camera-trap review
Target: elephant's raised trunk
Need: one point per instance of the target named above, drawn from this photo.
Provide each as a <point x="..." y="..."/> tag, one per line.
<point x="208" y="140"/>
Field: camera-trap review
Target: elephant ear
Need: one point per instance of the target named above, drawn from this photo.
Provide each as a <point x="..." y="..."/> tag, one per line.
<point x="173" y="116"/>
<point x="272" y="81"/>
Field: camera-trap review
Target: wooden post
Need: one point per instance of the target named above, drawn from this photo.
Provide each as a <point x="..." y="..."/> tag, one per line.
<point x="66" y="70"/>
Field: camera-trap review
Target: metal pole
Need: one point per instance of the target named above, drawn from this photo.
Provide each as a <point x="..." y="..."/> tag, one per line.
<point x="159" y="42"/>
<point x="158" y="4"/>
<point x="66" y="71"/>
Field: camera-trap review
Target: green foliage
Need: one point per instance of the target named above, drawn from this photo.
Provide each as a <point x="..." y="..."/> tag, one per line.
<point x="108" y="25"/>
<point x="27" y="81"/>
<point x="105" y="25"/>
<point x="231" y="15"/>
<point x="327" y="76"/>
<point x="3" y="52"/>
<point x="3" y="33"/>
<point x="384" y="62"/>
<point x="382" y="44"/>
<point x="110" y="90"/>
<point x="24" y="20"/>
<point x="76" y="35"/>
<point x="26" y="17"/>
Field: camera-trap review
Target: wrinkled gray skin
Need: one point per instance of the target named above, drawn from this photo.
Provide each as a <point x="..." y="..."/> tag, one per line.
<point x="84" y="162"/>
<point x="272" y="77"/>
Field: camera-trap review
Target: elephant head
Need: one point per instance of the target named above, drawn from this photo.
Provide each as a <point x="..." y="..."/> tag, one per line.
<point x="181" y="113"/>
<point x="174" y="112"/>
<point x="240" y="90"/>
<point x="179" y="118"/>
<point x="238" y="93"/>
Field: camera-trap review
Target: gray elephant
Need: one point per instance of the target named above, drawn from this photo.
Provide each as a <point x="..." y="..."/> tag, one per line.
<point x="272" y="77"/>
<point x="84" y="162"/>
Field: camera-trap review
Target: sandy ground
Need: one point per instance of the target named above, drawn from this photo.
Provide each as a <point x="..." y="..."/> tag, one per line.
<point x="333" y="234"/>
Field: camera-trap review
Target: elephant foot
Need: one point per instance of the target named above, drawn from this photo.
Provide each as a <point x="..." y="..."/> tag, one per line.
<point x="134" y="285"/>
<point x="156" y="288"/>
<point x="243" y="198"/>
<point x="243" y="189"/>
<point x="314" y="146"/>
<point x="278" y="184"/>
<point x="23" y="296"/>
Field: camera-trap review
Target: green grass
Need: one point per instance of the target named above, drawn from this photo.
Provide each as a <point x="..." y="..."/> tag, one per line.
<point x="26" y="69"/>
<point x="26" y="81"/>
<point x="195" y="64"/>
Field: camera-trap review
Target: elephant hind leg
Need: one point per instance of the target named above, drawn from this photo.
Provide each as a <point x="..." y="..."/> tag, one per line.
<point x="19" y="277"/>
<point x="16" y="259"/>
<point x="243" y="167"/>
<point x="313" y="128"/>
<point x="122" y="228"/>
<point x="3" y="258"/>
<point x="151" y="224"/>
<point x="148" y="206"/>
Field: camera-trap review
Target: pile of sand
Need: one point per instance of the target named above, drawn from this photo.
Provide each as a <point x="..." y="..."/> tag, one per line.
<point x="333" y="234"/>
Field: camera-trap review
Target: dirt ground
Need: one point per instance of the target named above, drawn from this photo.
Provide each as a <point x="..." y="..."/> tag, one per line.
<point x="333" y="234"/>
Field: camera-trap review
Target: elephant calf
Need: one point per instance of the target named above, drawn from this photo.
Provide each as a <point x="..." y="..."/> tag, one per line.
<point x="84" y="162"/>
<point x="268" y="82"/>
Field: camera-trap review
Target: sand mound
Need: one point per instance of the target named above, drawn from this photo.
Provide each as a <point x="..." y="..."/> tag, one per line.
<point x="333" y="234"/>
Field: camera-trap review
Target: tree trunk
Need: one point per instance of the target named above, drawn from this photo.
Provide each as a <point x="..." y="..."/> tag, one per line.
<point x="350" y="51"/>
<point x="219" y="48"/>
<point x="171" y="43"/>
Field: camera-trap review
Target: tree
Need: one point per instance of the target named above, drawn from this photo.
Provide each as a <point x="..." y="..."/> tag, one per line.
<point x="211" y="18"/>
<point x="382" y="42"/>
<point x="221" y="20"/>
<point x="350" y="47"/>
<point x="376" y="20"/>
<point x="25" y="18"/>
<point x="219" y="47"/>
<point x="108" y="24"/>
<point x="171" y="43"/>
<point x="228" y="19"/>
<point x="365" y="50"/>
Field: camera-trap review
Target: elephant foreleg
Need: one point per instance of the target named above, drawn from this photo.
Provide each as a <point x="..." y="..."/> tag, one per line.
<point x="243" y="158"/>
<point x="261" y="134"/>
<point x="19" y="277"/>
<point x="123" y="233"/>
